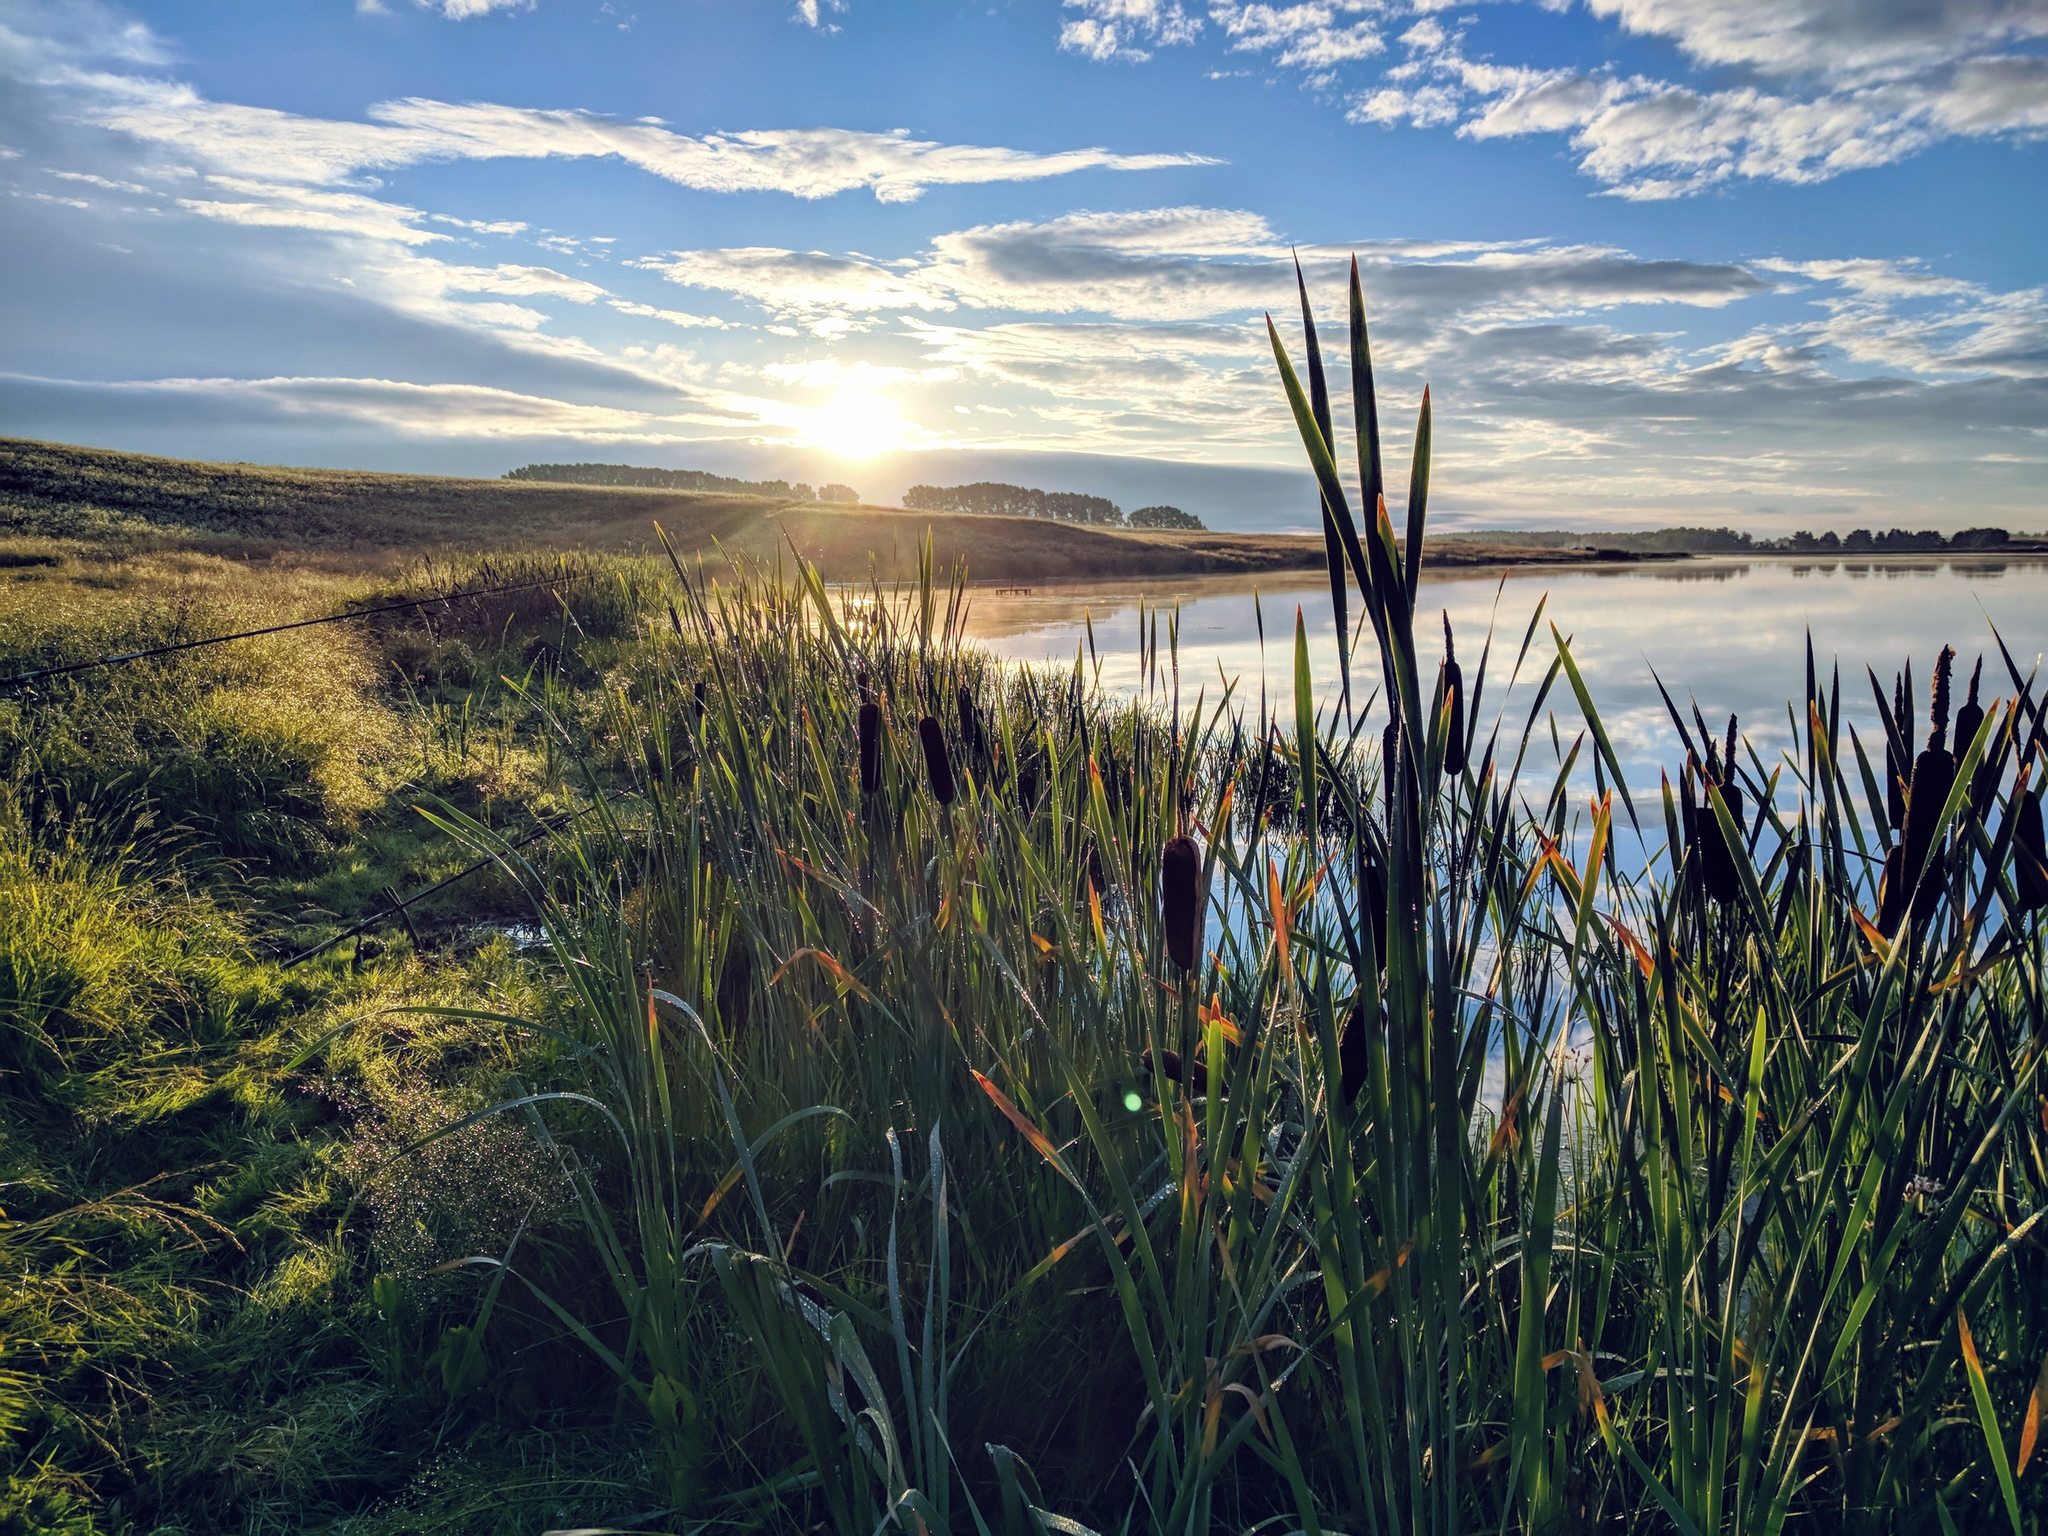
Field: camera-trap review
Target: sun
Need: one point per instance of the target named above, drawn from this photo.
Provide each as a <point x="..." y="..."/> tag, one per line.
<point x="856" y="424"/>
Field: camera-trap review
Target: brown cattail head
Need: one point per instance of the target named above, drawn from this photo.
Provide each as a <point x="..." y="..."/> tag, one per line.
<point x="863" y="679"/>
<point x="1352" y="1056"/>
<point x="1180" y="901"/>
<point x="697" y="702"/>
<point x="1970" y="718"/>
<point x="1937" y="718"/>
<point x="2030" y="853"/>
<point x="1717" y="856"/>
<point x="1170" y="1063"/>
<point x="937" y="766"/>
<point x="1372" y="900"/>
<point x="870" y="748"/>
<point x="1454" y="699"/>
<point x="1934" y="775"/>
<point x="1891" y="892"/>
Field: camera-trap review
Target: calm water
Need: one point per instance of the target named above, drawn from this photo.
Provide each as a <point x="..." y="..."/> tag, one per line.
<point x="1728" y="633"/>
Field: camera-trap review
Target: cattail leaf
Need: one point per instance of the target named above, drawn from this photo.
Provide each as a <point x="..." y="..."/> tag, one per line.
<point x="1418" y="498"/>
<point x="1987" y="1417"/>
<point x="1592" y="715"/>
<point x="1319" y="456"/>
<point x="2030" y="1429"/>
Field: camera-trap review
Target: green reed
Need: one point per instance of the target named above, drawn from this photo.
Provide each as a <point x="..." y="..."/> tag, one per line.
<point x="1466" y="1180"/>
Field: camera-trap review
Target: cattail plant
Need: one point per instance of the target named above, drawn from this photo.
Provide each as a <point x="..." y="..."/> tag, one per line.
<point x="2029" y="852"/>
<point x="1454" y="699"/>
<point x="1934" y="775"/>
<point x="870" y="747"/>
<point x="1891" y="892"/>
<point x="937" y="766"/>
<point x="1180" y="901"/>
<point x="1970" y="718"/>
<point x="1195" y="1081"/>
<point x="1717" y="856"/>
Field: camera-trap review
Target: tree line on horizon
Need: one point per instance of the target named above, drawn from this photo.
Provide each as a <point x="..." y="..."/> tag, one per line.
<point x="679" y="480"/>
<point x="993" y="498"/>
<point x="1728" y="541"/>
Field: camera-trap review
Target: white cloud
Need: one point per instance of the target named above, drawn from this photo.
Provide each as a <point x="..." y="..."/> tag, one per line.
<point x="482" y="226"/>
<point x="672" y="316"/>
<point x="282" y="206"/>
<point x="1838" y="40"/>
<point x="464" y="10"/>
<point x="809" y="286"/>
<point x="1177" y="264"/>
<point x="1860" y="85"/>
<point x="1126" y="31"/>
<point x="803" y="162"/>
<point x="89" y="179"/>
<point x="1312" y="36"/>
<point x="831" y="373"/>
<point x="811" y="13"/>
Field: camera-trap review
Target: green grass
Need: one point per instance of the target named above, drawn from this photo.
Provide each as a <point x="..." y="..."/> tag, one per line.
<point x="814" y="1173"/>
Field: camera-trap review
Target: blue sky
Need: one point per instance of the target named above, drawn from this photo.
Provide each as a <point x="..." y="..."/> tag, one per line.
<point x="1775" y="263"/>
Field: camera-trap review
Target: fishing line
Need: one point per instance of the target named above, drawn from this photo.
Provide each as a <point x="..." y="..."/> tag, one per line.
<point x="22" y="678"/>
<point x="394" y="908"/>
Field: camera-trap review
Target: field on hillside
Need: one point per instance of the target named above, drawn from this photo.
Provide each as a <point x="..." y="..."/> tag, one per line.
<point x="102" y="499"/>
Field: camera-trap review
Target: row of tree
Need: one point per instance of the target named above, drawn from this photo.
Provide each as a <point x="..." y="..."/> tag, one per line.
<point x="1727" y="541"/>
<point x="993" y="498"/>
<point x="679" y="480"/>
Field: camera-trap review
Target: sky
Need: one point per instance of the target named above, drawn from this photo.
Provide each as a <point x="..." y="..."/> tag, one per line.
<point x="1772" y="264"/>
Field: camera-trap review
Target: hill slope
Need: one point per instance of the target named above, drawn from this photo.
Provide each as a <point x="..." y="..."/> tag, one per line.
<point x="50" y="490"/>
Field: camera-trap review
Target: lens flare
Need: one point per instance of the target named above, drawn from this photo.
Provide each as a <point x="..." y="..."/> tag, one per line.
<point x="856" y="424"/>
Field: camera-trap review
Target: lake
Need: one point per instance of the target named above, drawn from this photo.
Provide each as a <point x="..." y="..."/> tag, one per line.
<point x="1727" y="633"/>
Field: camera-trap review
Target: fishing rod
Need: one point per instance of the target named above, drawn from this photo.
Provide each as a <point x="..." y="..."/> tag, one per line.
<point x="21" y="679"/>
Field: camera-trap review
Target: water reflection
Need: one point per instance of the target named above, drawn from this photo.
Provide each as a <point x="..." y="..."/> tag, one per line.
<point x="1729" y="634"/>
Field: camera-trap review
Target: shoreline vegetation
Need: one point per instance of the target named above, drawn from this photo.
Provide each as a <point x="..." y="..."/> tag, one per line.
<point x="773" y="1067"/>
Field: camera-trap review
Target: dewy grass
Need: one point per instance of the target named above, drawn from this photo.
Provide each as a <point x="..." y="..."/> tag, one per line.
<point x="863" y="1156"/>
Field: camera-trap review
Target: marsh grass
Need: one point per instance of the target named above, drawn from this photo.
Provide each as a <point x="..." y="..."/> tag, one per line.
<point x="1545" y="1196"/>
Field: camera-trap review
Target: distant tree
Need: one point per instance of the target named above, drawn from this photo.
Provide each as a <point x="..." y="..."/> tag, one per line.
<point x="837" y="492"/>
<point x="993" y="498"/>
<point x="1830" y="540"/>
<point x="658" y="479"/>
<point x="1802" y="541"/>
<point x="1980" y="538"/>
<point x="1072" y="507"/>
<point x="1165" y="517"/>
<point x="1859" y="540"/>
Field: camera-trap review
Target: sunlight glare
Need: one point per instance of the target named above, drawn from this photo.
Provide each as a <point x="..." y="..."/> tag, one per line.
<point x="856" y="424"/>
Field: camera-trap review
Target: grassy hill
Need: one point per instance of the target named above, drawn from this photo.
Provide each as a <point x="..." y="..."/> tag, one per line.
<point x="94" y="495"/>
